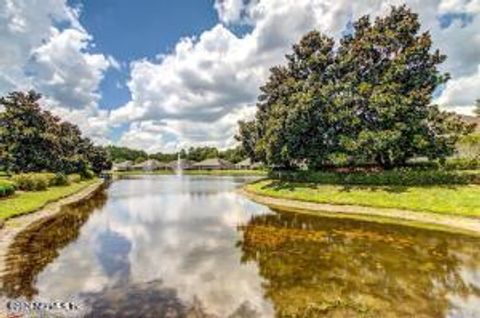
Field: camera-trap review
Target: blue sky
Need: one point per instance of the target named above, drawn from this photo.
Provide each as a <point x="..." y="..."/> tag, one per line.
<point x="131" y="30"/>
<point x="160" y="75"/>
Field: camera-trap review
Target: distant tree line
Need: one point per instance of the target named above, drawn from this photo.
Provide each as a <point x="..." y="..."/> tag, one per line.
<point x="32" y="140"/>
<point x="366" y="99"/>
<point x="120" y="154"/>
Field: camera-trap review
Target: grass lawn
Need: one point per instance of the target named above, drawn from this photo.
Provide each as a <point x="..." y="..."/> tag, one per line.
<point x="459" y="200"/>
<point x="197" y="172"/>
<point x="25" y="202"/>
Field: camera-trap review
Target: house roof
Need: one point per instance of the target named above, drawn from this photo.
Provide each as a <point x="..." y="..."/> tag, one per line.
<point x="257" y="165"/>
<point x="151" y="162"/>
<point x="212" y="162"/>
<point x="183" y="162"/>
<point x="127" y="163"/>
<point x="245" y="162"/>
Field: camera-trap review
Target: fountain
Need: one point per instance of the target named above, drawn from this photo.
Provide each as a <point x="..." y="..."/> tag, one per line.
<point x="179" y="170"/>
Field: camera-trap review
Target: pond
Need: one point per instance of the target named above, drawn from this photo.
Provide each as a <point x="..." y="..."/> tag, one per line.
<point x="192" y="246"/>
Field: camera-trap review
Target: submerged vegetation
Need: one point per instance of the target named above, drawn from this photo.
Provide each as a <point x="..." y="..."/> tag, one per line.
<point x="325" y="267"/>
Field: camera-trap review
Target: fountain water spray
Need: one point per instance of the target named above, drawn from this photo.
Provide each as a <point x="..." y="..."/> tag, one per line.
<point x="179" y="169"/>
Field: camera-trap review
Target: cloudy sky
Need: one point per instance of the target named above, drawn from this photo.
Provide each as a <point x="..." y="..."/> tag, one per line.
<point x="160" y="75"/>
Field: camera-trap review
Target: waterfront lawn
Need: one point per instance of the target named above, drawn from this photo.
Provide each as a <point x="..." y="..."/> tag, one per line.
<point x="26" y="202"/>
<point x="196" y="172"/>
<point x="450" y="199"/>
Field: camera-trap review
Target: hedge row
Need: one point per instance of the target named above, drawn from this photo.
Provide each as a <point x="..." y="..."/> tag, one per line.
<point x="400" y="177"/>
<point x="463" y="164"/>
<point x="41" y="181"/>
<point x="472" y="163"/>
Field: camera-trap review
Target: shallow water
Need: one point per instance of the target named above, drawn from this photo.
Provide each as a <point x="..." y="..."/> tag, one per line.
<point x="190" y="246"/>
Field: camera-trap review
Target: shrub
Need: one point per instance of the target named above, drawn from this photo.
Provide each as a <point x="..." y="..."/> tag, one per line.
<point x="74" y="178"/>
<point x="33" y="181"/>
<point x="60" y="179"/>
<point x="463" y="164"/>
<point x="469" y="146"/>
<point x="399" y="177"/>
<point x="88" y="174"/>
<point x="6" y="188"/>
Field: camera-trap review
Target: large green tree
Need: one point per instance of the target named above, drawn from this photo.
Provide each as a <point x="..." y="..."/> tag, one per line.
<point x="32" y="139"/>
<point x="369" y="99"/>
<point x="477" y="107"/>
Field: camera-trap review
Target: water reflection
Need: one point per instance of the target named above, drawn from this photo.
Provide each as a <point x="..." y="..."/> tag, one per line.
<point x="164" y="246"/>
<point x="338" y="268"/>
<point x="41" y="243"/>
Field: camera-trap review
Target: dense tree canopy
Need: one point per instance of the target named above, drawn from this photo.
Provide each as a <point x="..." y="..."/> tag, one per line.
<point x="477" y="107"/>
<point x="367" y="99"/>
<point x="120" y="154"/>
<point x="233" y="155"/>
<point x="32" y="139"/>
<point x="201" y="153"/>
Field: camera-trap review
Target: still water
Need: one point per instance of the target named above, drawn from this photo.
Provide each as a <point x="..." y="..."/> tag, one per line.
<point x="168" y="246"/>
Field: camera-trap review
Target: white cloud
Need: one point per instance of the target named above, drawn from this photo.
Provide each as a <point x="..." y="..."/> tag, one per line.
<point x="37" y="54"/>
<point x="170" y="135"/>
<point x="25" y="25"/>
<point x="66" y="72"/>
<point x="461" y="93"/>
<point x="230" y="11"/>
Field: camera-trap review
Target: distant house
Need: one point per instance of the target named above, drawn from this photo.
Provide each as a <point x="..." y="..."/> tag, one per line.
<point x="213" y="164"/>
<point x="184" y="164"/>
<point x="257" y="165"/>
<point x="150" y="165"/>
<point x="244" y="164"/>
<point x="137" y="166"/>
<point x="123" y="166"/>
<point x="163" y="166"/>
<point x="247" y="164"/>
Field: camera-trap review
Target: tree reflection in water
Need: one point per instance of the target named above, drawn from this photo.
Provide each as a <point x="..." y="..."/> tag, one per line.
<point x="326" y="267"/>
<point x="40" y="244"/>
<point x="151" y="299"/>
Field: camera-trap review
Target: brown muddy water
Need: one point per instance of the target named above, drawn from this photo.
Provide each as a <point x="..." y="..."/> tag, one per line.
<point x="191" y="246"/>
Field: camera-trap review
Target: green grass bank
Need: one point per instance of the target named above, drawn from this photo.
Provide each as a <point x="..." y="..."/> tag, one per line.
<point x="458" y="199"/>
<point x="23" y="202"/>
